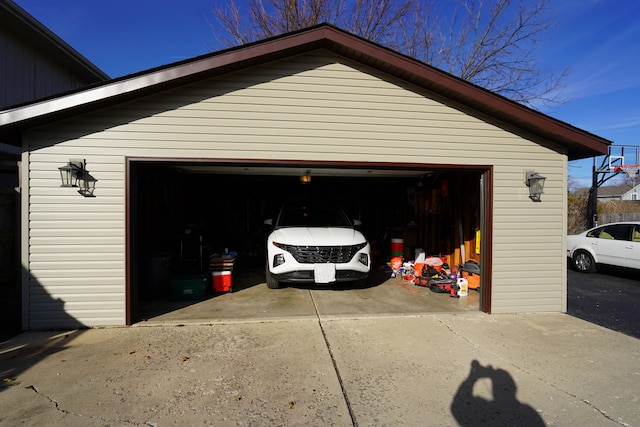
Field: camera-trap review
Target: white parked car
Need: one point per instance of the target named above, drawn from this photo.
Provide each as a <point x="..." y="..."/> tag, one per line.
<point x="616" y="244"/>
<point x="315" y="244"/>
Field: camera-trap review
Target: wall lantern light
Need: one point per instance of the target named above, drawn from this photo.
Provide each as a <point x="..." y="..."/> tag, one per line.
<point x="535" y="182"/>
<point x="87" y="184"/>
<point x="70" y="172"/>
<point x="74" y="174"/>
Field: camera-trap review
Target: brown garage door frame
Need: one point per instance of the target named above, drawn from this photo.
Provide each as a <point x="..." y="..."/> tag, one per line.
<point x="486" y="191"/>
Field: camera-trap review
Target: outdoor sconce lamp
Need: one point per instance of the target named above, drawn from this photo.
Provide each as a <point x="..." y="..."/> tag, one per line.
<point x="70" y="172"/>
<point x="73" y="174"/>
<point x="535" y="182"/>
<point x="87" y="184"/>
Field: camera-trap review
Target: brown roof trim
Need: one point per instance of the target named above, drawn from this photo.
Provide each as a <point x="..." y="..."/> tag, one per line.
<point x="579" y="143"/>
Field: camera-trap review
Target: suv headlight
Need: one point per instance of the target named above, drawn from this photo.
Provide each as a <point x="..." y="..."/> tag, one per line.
<point x="360" y="246"/>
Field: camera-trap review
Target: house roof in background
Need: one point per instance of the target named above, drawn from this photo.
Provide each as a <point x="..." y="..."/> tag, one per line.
<point x="614" y="190"/>
<point x="607" y="191"/>
<point x="17" y="20"/>
<point x="579" y="143"/>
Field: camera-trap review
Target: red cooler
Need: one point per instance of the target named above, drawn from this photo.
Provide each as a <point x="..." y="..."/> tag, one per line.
<point x="221" y="281"/>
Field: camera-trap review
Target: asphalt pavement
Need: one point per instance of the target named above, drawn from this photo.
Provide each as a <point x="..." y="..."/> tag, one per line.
<point x="609" y="298"/>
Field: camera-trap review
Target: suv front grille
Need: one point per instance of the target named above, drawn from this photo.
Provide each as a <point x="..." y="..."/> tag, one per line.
<point x="322" y="254"/>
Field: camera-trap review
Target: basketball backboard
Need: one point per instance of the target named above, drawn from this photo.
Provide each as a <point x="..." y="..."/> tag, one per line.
<point x="619" y="158"/>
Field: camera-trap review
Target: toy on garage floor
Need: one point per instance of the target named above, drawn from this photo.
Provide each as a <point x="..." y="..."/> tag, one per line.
<point x="432" y="272"/>
<point x="443" y="281"/>
<point x="424" y="267"/>
<point x="435" y="278"/>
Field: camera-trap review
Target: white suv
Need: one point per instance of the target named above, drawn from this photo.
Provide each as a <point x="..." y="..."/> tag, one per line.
<point x="315" y="244"/>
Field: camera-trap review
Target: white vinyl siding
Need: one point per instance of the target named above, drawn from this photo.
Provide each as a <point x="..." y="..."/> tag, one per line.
<point x="76" y="244"/>
<point x="312" y="107"/>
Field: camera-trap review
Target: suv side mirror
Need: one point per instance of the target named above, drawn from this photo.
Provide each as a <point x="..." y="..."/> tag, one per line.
<point x="357" y="222"/>
<point x="268" y="221"/>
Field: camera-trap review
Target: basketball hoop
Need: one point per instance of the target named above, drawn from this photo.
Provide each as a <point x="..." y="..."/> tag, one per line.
<point x="630" y="170"/>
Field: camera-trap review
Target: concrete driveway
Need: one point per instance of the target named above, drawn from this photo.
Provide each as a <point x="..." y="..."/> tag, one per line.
<point x="439" y="369"/>
<point x="251" y="299"/>
<point x="372" y="356"/>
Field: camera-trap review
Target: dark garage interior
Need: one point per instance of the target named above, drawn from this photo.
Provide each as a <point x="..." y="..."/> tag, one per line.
<point x="183" y="213"/>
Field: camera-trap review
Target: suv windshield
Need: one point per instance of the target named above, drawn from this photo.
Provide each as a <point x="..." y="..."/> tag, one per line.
<point x="312" y="216"/>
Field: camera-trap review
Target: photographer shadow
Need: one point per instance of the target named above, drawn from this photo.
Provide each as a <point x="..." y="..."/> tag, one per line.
<point x="504" y="410"/>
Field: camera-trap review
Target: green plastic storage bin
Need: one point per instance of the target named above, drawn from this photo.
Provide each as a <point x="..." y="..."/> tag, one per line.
<point x="189" y="288"/>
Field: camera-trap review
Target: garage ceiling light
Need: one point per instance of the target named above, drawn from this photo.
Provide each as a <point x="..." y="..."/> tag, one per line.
<point x="306" y="178"/>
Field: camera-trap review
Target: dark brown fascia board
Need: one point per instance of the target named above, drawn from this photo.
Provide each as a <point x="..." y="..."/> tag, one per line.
<point x="16" y="19"/>
<point x="580" y="143"/>
<point x="135" y="85"/>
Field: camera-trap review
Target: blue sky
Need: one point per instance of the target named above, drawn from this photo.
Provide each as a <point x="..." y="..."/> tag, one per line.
<point x="598" y="40"/>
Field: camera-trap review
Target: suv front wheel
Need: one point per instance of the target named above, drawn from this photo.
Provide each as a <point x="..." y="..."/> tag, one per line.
<point x="271" y="282"/>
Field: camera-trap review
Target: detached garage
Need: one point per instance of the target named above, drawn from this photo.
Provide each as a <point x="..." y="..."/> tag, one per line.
<point x="190" y="158"/>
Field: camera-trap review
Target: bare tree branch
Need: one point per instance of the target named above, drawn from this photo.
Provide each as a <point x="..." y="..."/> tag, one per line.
<point x="491" y="43"/>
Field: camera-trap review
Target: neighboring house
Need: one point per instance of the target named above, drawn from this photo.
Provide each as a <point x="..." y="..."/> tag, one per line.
<point x="610" y="193"/>
<point x="34" y="64"/>
<point x="216" y="140"/>
<point x="616" y="203"/>
<point x="632" y="194"/>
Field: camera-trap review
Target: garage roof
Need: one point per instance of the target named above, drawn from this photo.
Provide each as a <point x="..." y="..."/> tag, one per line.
<point x="580" y="144"/>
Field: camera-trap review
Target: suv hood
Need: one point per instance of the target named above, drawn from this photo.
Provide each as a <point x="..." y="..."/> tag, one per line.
<point x="317" y="236"/>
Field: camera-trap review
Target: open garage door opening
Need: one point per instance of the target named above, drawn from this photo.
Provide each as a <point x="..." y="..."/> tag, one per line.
<point x="185" y="217"/>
